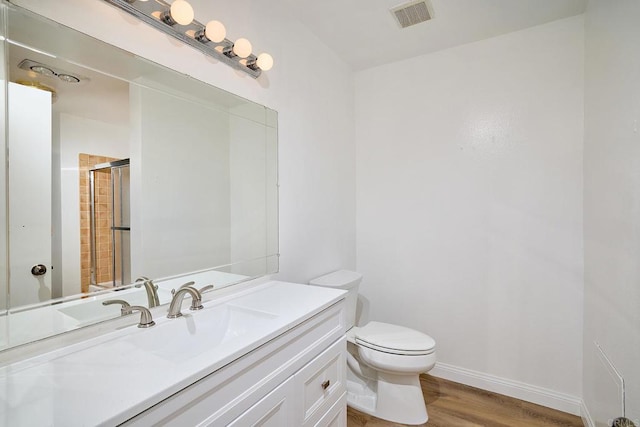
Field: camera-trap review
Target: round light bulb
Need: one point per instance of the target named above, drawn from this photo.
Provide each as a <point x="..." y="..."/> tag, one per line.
<point x="215" y="31"/>
<point x="181" y="12"/>
<point x="242" y="48"/>
<point x="265" y="61"/>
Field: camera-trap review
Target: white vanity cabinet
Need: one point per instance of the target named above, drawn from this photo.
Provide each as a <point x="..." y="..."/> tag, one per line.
<point x="270" y="354"/>
<point x="296" y="379"/>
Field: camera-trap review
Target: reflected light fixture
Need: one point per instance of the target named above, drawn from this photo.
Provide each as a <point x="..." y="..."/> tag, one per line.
<point x="50" y="71"/>
<point x="68" y="78"/>
<point x="177" y="19"/>
<point x="41" y="69"/>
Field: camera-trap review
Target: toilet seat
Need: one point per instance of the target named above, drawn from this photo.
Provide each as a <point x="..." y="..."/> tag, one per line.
<point x="394" y="339"/>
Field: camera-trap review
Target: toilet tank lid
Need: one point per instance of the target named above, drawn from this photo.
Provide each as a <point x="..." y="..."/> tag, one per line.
<point x="337" y="279"/>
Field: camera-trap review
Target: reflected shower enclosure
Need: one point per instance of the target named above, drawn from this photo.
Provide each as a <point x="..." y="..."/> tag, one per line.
<point x="110" y="230"/>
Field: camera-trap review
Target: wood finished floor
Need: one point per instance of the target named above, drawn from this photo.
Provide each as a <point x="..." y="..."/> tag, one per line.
<point x="451" y="404"/>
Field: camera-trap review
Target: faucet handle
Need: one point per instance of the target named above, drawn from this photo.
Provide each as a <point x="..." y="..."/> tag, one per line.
<point x="205" y="289"/>
<point x="146" y="321"/>
<point x="173" y="291"/>
<point x="201" y="290"/>
<point x="142" y="279"/>
<point x="123" y="309"/>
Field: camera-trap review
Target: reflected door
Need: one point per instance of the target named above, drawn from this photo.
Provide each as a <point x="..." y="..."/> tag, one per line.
<point x="29" y="136"/>
<point x="121" y="223"/>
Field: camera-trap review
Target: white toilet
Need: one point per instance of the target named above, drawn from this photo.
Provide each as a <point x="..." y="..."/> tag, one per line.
<point x="384" y="361"/>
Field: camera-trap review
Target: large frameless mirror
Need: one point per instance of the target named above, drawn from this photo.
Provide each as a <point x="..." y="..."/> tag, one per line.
<point x="118" y="169"/>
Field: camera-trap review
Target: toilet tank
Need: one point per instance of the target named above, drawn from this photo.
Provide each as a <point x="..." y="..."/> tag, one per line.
<point x="347" y="280"/>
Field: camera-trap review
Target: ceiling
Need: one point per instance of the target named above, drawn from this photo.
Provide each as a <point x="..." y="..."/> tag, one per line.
<point x="365" y="34"/>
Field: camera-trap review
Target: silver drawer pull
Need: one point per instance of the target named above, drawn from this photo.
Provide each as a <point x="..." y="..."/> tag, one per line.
<point x="325" y="384"/>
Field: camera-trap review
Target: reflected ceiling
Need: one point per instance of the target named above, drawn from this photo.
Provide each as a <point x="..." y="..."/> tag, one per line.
<point x="75" y="98"/>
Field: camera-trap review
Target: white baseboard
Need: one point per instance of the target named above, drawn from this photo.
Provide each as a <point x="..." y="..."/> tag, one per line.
<point x="527" y="392"/>
<point x="586" y="416"/>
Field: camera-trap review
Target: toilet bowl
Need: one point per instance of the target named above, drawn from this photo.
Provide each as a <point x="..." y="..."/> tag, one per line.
<point x="384" y="361"/>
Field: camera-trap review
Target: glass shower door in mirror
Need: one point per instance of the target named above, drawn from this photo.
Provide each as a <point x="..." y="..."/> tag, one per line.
<point x="109" y="213"/>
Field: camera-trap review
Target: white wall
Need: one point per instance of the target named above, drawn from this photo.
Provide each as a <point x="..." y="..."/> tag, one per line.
<point x="612" y="207"/>
<point x="310" y="88"/>
<point x="80" y="135"/>
<point x="469" y="205"/>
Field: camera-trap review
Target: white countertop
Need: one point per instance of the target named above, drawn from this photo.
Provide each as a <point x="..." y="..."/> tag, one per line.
<point x="113" y="377"/>
<point x="28" y="324"/>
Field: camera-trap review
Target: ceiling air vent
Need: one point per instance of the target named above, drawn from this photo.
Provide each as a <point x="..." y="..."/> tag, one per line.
<point x="411" y="13"/>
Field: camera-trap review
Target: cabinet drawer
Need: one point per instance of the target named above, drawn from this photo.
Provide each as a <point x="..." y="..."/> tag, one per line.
<point x="274" y="410"/>
<point x="321" y="383"/>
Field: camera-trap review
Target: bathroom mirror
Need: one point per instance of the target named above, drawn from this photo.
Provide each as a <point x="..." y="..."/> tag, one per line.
<point x="120" y="168"/>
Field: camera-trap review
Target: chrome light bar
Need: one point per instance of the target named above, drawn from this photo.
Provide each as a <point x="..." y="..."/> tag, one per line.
<point x="156" y="13"/>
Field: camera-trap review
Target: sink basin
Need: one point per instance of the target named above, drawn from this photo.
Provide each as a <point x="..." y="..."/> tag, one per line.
<point x="199" y="332"/>
<point x="90" y="310"/>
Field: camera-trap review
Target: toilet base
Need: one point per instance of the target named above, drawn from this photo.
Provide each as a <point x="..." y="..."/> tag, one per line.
<point x="395" y="398"/>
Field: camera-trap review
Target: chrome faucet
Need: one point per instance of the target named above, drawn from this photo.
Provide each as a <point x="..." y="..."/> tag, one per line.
<point x="176" y="302"/>
<point x="146" y="321"/>
<point x="152" y="291"/>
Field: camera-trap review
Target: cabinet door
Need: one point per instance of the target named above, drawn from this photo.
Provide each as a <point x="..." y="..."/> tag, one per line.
<point x="274" y="410"/>
<point x="337" y="415"/>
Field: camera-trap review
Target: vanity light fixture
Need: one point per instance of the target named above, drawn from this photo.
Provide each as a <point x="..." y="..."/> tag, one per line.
<point x="177" y="19"/>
